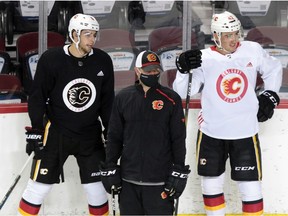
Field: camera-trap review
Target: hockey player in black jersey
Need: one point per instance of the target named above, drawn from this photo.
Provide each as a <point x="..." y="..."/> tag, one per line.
<point x="147" y="132"/>
<point x="74" y="88"/>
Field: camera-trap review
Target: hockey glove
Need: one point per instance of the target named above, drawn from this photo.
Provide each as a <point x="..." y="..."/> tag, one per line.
<point x="177" y="181"/>
<point x="189" y="60"/>
<point x="110" y="176"/>
<point x="268" y="100"/>
<point x="34" y="142"/>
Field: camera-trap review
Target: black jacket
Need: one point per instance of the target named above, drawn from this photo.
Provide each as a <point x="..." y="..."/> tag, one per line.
<point x="148" y="133"/>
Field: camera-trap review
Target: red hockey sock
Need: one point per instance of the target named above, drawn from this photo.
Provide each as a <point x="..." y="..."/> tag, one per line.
<point x="26" y="208"/>
<point x="252" y="207"/>
<point x="99" y="210"/>
<point x="214" y="202"/>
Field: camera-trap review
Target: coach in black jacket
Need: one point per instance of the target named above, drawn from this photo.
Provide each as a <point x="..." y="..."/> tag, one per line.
<point x="147" y="132"/>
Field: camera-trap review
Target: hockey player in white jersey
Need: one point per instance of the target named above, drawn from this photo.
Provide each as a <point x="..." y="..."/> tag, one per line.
<point x="231" y="110"/>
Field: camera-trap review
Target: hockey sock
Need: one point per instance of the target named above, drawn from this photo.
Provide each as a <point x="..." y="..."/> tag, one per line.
<point x="214" y="204"/>
<point x="97" y="198"/>
<point x="33" y="197"/>
<point x="252" y="207"/>
<point x="213" y="194"/>
<point x="252" y="200"/>
<point x="26" y="208"/>
<point x="99" y="210"/>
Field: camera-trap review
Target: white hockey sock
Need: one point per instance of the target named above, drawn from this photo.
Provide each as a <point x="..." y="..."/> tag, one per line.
<point x="213" y="194"/>
<point x="252" y="199"/>
<point x="33" y="197"/>
<point x="97" y="198"/>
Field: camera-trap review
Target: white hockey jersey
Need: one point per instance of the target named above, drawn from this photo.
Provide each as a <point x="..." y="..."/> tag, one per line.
<point x="228" y="99"/>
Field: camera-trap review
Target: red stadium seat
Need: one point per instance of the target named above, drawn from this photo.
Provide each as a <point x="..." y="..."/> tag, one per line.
<point x="2" y="44"/>
<point x="29" y="41"/>
<point x="167" y="43"/>
<point x="11" y="90"/>
<point x="120" y="45"/>
<point x="27" y="54"/>
<point x="5" y="60"/>
<point x="268" y="35"/>
<point x="10" y="82"/>
<point x="275" y="41"/>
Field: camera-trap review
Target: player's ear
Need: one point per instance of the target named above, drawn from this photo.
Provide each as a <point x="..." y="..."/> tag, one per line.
<point x="75" y="36"/>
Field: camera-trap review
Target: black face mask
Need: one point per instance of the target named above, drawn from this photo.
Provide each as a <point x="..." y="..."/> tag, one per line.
<point x="150" y="80"/>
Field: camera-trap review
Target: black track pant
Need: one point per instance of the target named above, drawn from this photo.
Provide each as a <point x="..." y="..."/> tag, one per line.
<point x="144" y="200"/>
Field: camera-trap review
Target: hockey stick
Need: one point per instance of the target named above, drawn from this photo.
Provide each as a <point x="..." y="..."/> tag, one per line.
<point x="15" y="182"/>
<point x="188" y="98"/>
<point x="113" y="200"/>
<point x="176" y="206"/>
<point x="186" y="122"/>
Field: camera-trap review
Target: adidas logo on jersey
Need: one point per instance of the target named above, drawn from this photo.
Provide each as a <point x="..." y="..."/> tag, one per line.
<point x="249" y="64"/>
<point x="100" y="73"/>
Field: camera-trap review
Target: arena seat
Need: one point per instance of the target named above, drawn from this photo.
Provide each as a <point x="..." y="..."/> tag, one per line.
<point x="5" y="60"/>
<point x="27" y="54"/>
<point x="167" y="43"/>
<point x="2" y="43"/>
<point x="268" y="35"/>
<point x="11" y="90"/>
<point x="23" y="17"/>
<point x="120" y="45"/>
<point x="275" y="41"/>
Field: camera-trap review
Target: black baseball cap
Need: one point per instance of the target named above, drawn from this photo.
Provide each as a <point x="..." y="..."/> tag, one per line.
<point x="148" y="60"/>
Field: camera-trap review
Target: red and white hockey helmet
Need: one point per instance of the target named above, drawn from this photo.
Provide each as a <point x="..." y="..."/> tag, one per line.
<point x="225" y="22"/>
<point x="82" y="21"/>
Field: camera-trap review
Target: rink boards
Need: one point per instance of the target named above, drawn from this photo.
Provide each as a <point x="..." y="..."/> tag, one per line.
<point x="69" y="199"/>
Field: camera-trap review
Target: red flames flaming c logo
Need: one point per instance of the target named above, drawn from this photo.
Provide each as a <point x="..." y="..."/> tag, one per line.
<point x="157" y="104"/>
<point x="232" y="86"/>
<point x="151" y="58"/>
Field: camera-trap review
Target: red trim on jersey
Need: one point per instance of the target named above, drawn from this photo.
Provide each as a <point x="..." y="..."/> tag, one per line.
<point x="170" y="99"/>
<point x="214" y="48"/>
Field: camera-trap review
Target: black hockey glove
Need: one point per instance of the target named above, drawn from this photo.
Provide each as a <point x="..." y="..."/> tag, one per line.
<point x="189" y="60"/>
<point x="111" y="177"/>
<point x="268" y="100"/>
<point x="34" y="142"/>
<point x="177" y="181"/>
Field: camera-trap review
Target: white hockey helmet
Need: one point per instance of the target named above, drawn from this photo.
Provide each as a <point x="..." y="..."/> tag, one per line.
<point x="82" y="21"/>
<point x="224" y="22"/>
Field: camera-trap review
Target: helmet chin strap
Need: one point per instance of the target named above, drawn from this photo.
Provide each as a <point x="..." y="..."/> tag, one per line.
<point x="77" y="46"/>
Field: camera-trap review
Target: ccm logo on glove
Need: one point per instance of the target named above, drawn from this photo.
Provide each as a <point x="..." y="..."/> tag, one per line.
<point x="271" y="97"/>
<point x="179" y="175"/>
<point x="108" y="173"/>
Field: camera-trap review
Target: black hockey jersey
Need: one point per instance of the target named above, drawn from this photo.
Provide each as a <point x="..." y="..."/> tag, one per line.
<point x="73" y="92"/>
